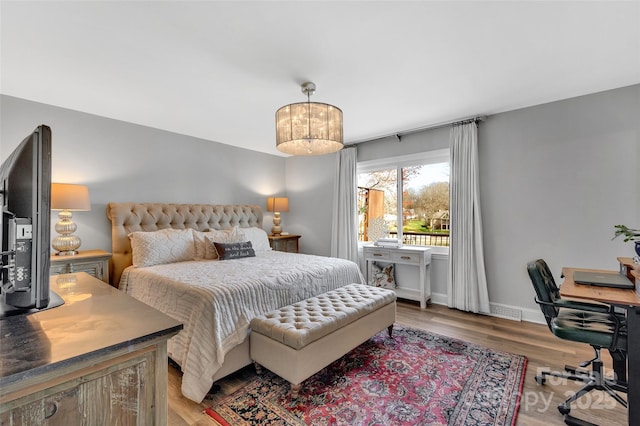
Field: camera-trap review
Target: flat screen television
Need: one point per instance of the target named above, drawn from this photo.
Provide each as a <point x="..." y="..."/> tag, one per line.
<point x="25" y="201"/>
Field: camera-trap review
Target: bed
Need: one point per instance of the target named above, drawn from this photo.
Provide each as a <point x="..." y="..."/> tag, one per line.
<point x="214" y="299"/>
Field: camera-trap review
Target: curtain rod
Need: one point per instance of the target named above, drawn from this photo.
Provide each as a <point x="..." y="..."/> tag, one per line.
<point x="398" y="135"/>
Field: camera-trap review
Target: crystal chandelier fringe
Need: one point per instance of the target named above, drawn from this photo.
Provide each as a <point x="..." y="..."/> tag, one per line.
<point x="309" y="128"/>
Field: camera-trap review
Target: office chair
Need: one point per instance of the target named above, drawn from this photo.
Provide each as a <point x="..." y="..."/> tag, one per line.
<point x="593" y="323"/>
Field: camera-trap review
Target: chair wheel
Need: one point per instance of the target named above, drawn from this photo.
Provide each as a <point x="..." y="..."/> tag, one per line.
<point x="540" y="380"/>
<point x="564" y="409"/>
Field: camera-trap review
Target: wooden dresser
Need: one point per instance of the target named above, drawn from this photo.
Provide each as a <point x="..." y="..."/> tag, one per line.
<point x="99" y="359"/>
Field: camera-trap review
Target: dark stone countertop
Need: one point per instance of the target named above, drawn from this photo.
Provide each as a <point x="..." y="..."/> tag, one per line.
<point x="95" y="319"/>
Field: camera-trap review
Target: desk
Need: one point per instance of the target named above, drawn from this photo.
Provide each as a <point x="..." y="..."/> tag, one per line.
<point x="629" y="300"/>
<point x="628" y="268"/>
<point x="420" y="257"/>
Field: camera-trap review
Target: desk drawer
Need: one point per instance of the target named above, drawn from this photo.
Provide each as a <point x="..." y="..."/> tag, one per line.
<point x="407" y="258"/>
<point x="377" y="254"/>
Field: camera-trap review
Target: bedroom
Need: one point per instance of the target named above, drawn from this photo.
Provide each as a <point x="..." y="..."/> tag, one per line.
<point x="579" y="234"/>
<point x="572" y="225"/>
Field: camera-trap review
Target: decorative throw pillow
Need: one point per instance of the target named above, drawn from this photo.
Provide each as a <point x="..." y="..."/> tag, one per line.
<point x="233" y="235"/>
<point x="258" y="238"/>
<point x="200" y="242"/>
<point x="383" y="276"/>
<point x="204" y="241"/>
<point x="163" y="246"/>
<point x="234" y="250"/>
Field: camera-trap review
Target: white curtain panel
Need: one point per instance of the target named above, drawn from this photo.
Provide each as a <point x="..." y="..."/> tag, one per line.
<point x="467" y="283"/>
<point x="344" y="232"/>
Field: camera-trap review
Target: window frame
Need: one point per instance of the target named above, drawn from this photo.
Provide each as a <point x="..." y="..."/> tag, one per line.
<point x="419" y="159"/>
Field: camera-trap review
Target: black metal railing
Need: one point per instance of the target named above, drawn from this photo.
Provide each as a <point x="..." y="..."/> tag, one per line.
<point x="419" y="238"/>
<point x="423" y="239"/>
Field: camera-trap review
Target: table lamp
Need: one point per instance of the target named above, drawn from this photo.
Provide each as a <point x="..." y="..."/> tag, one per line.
<point x="277" y="205"/>
<point x="67" y="198"/>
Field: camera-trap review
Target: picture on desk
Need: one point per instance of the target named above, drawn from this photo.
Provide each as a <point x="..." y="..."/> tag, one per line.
<point x="602" y="279"/>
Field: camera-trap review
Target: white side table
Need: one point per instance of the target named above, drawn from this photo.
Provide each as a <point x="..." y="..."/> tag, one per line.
<point x="420" y="257"/>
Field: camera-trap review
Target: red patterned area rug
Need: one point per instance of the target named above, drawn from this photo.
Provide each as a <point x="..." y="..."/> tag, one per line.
<point x="414" y="378"/>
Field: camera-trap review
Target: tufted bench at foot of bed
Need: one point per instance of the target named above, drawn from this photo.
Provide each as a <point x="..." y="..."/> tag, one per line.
<point x="299" y="340"/>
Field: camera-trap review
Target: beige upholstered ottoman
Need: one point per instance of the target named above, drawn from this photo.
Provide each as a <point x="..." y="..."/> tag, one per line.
<point x="299" y="340"/>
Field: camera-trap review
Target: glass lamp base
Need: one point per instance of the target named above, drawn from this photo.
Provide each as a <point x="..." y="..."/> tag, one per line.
<point x="66" y="245"/>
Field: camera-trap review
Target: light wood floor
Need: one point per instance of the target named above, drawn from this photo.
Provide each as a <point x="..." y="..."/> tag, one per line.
<point x="543" y="350"/>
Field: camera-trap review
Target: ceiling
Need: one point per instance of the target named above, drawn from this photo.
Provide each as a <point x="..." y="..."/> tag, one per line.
<point x="218" y="70"/>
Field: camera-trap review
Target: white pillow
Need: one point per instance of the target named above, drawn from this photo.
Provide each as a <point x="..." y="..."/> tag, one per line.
<point x="163" y="246"/>
<point x="205" y="250"/>
<point x="201" y="242"/>
<point x="258" y="237"/>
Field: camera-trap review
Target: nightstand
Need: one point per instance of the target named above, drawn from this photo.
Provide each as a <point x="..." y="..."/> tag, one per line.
<point x="288" y="243"/>
<point x="93" y="262"/>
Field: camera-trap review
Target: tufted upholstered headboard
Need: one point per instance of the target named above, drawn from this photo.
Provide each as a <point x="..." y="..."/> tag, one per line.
<point x="129" y="217"/>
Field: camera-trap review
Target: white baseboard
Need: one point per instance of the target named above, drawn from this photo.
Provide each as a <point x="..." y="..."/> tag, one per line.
<point x="515" y="313"/>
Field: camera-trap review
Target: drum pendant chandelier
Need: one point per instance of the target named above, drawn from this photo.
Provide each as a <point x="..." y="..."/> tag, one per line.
<point x="309" y="128"/>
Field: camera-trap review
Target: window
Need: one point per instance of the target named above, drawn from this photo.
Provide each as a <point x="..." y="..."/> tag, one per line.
<point x="405" y="197"/>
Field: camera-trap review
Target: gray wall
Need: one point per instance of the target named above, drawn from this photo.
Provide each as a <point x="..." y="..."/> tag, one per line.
<point x="409" y="144"/>
<point x="121" y="161"/>
<point x="310" y="189"/>
<point x="555" y="179"/>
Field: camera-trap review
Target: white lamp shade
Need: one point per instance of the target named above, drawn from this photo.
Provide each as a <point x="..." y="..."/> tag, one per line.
<point x="277" y="204"/>
<point x="66" y="196"/>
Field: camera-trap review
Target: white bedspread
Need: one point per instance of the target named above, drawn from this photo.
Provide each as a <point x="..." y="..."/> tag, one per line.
<point x="216" y="300"/>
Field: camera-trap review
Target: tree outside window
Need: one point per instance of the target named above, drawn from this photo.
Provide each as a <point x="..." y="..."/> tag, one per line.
<point x="424" y="201"/>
